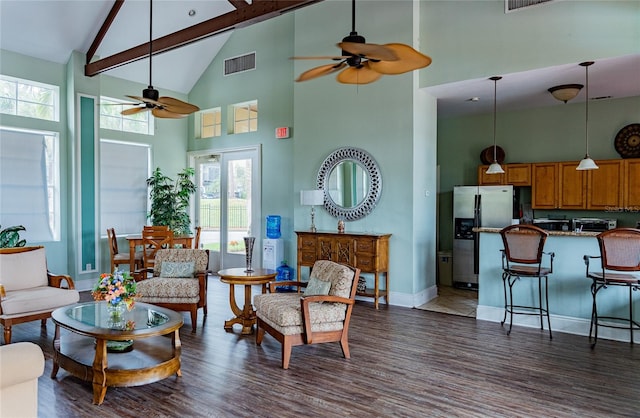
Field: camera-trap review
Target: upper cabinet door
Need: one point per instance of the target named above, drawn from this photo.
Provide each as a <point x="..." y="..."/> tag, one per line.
<point x="485" y="179"/>
<point x="545" y="183"/>
<point x="605" y="188"/>
<point x="573" y="186"/>
<point x="632" y="184"/>
<point x="518" y="174"/>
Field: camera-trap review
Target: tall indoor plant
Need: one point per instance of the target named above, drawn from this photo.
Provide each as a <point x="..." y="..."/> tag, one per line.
<point x="170" y="200"/>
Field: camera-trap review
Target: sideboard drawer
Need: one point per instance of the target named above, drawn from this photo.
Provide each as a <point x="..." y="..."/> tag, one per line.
<point x="308" y="244"/>
<point x="365" y="246"/>
<point x="308" y="257"/>
<point x="366" y="263"/>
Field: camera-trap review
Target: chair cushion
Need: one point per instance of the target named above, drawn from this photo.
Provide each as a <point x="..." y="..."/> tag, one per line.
<point x="200" y="259"/>
<point x="340" y="275"/>
<point x="282" y="312"/>
<point x="23" y="270"/>
<point x="37" y="299"/>
<point x="177" y="269"/>
<point x="168" y="290"/>
<point x="317" y="286"/>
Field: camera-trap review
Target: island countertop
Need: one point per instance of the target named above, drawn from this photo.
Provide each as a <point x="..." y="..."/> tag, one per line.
<point x="551" y="233"/>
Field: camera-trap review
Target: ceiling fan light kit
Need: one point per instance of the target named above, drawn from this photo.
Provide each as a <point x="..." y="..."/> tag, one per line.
<point x="160" y="106"/>
<point x="367" y="62"/>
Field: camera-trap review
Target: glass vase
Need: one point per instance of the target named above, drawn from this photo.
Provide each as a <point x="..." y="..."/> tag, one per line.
<point x="248" y="245"/>
<point x="115" y="313"/>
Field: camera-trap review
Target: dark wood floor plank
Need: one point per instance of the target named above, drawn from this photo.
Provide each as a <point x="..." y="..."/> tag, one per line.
<point x="404" y="362"/>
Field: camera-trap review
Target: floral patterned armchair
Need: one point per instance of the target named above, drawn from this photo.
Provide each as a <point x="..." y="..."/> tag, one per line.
<point x="321" y="314"/>
<point x="179" y="281"/>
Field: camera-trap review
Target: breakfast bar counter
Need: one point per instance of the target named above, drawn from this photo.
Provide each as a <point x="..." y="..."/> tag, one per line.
<point x="570" y="297"/>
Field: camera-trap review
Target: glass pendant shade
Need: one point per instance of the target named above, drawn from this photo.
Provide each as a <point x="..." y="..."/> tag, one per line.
<point x="586" y="163"/>
<point x="495" y="167"/>
<point x="565" y="92"/>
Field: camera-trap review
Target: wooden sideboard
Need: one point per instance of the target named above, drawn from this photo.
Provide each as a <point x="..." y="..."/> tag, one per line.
<point x="368" y="252"/>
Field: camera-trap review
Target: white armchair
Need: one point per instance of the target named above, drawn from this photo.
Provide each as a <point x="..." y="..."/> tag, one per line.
<point x="21" y="364"/>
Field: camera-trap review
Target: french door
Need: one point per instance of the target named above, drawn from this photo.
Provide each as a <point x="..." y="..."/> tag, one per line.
<point x="228" y="205"/>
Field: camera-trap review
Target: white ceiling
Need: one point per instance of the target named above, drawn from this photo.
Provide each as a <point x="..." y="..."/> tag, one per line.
<point x="52" y="29"/>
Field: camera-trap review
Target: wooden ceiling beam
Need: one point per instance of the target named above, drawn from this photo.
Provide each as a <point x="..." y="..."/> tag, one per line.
<point x="257" y="11"/>
<point x="117" y="4"/>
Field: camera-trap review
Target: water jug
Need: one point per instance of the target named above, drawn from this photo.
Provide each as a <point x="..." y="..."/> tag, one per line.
<point x="273" y="226"/>
<point x="284" y="274"/>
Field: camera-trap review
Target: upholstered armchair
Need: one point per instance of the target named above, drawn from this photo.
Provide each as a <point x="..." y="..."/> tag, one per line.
<point x="28" y="291"/>
<point x="321" y="314"/>
<point x="21" y="364"/>
<point x="179" y="281"/>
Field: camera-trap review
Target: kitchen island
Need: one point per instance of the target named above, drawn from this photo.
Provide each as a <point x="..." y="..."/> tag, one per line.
<point x="570" y="297"/>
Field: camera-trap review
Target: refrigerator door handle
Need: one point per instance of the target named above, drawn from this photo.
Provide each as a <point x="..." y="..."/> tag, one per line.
<point x="476" y="236"/>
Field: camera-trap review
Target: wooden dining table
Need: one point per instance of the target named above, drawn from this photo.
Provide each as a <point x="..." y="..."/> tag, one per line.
<point x="184" y="241"/>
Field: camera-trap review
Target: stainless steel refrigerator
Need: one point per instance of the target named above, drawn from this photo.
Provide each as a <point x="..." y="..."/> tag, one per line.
<point x="476" y="206"/>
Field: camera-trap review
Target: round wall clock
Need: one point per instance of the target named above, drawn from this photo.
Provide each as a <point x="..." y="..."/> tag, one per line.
<point x="627" y="141"/>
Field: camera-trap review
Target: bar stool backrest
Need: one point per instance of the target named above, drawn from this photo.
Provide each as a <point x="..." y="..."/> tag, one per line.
<point x="524" y="243"/>
<point x="620" y="249"/>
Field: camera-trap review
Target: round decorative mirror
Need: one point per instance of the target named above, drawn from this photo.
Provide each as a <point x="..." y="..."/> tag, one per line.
<point x="351" y="181"/>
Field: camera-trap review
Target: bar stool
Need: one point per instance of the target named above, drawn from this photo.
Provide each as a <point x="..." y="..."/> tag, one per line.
<point x="522" y="257"/>
<point x="619" y="252"/>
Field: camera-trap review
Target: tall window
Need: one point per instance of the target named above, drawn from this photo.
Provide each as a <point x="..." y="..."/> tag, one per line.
<point x="245" y="117"/>
<point x="29" y="98"/>
<point x="124" y="170"/>
<point x="111" y="118"/>
<point x="30" y="183"/>
<point x="210" y="123"/>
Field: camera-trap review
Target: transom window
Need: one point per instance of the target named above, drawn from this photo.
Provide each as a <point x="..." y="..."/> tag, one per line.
<point x="111" y="118"/>
<point x="29" y="98"/>
<point x="211" y="123"/>
<point x="245" y="117"/>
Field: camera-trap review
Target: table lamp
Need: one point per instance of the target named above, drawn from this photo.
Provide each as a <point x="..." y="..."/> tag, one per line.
<point x="312" y="198"/>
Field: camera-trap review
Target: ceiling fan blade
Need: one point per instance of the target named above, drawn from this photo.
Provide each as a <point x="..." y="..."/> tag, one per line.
<point x="371" y="51"/>
<point x="134" y="110"/>
<point x="177" y="106"/>
<point x="338" y="58"/>
<point x="409" y="60"/>
<point x="159" y="112"/>
<point x="144" y="100"/>
<point x="320" y="71"/>
<point x="358" y="75"/>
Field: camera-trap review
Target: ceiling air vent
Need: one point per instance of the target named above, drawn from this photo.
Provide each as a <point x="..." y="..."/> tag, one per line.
<point x="511" y="5"/>
<point x="240" y="64"/>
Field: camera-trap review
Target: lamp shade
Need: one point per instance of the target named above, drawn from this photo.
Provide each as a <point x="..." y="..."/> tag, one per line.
<point x="587" y="163"/>
<point x="495" y="168"/>
<point x="311" y="197"/>
<point x="565" y="92"/>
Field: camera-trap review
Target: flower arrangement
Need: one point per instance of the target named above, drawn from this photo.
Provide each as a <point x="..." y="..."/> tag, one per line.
<point x="116" y="288"/>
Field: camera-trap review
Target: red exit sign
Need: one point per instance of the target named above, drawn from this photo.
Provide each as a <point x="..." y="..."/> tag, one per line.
<point x="282" y="133"/>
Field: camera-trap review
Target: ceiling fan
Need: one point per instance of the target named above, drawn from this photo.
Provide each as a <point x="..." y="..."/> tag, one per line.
<point x="160" y="107"/>
<point x="366" y="63"/>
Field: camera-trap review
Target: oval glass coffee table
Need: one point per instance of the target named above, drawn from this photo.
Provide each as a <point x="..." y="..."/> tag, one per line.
<point x="83" y="351"/>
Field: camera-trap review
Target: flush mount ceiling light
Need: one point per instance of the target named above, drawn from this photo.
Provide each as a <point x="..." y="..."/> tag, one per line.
<point x="586" y="163"/>
<point x="495" y="167"/>
<point x="565" y="92"/>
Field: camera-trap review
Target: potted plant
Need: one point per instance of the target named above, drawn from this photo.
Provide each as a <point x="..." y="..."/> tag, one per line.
<point x="170" y="200"/>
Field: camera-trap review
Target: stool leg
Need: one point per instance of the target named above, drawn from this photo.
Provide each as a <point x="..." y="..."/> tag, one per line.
<point x="504" y="286"/>
<point x="511" y="283"/>
<point x="546" y="300"/>
<point x="594" y="316"/>
<point x="540" y="302"/>
<point x="631" y="314"/>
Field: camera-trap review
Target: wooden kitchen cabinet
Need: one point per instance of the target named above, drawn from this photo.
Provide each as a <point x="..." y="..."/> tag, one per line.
<point x="514" y="174"/>
<point x="545" y="183"/>
<point x="573" y="186"/>
<point x="368" y="252"/>
<point x="631" y="194"/>
<point x="605" y="186"/>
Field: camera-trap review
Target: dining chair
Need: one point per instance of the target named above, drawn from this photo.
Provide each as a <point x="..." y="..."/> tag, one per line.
<point x="196" y="239"/>
<point x="117" y="257"/>
<point x="619" y="267"/>
<point x="153" y="240"/>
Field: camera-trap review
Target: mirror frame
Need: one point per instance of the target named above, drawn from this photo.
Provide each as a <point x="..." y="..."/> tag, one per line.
<point x="370" y="166"/>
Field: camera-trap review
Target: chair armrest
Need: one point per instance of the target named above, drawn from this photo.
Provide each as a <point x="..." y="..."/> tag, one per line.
<point x="551" y="257"/>
<point x="3" y="292"/>
<point x="141" y="274"/>
<point x="304" y="308"/>
<point x="586" y="259"/>
<point x="55" y="280"/>
<point x="20" y="362"/>
<point x="271" y="286"/>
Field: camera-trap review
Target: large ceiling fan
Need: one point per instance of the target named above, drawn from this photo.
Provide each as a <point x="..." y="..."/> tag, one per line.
<point x="365" y="62"/>
<point x="160" y="107"/>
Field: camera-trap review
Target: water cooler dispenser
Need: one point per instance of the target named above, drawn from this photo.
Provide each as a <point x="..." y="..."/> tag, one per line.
<point x="272" y="246"/>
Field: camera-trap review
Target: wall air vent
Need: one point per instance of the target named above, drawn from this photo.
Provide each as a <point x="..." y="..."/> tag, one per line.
<point x="240" y="64"/>
<point x="511" y="5"/>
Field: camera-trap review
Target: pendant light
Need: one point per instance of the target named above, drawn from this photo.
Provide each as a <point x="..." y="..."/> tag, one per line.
<point x="495" y="167"/>
<point x="587" y="163"/>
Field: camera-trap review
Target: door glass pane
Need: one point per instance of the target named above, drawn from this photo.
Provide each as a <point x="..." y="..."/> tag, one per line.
<point x="239" y="204"/>
<point x="210" y="202"/>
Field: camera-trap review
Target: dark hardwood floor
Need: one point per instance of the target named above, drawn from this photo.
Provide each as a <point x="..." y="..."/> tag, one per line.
<point x="404" y="363"/>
